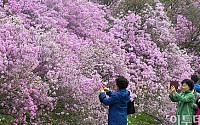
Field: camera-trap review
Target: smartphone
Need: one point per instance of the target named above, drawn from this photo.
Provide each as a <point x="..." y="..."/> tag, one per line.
<point x="174" y="83"/>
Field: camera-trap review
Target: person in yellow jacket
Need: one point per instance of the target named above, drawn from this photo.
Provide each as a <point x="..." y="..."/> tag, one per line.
<point x="185" y="100"/>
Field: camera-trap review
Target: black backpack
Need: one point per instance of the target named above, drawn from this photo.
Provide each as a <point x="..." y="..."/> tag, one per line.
<point x="130" y="107"/>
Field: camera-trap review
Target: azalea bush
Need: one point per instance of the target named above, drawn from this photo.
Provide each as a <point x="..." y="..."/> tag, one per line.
<point x="152" y="58"/>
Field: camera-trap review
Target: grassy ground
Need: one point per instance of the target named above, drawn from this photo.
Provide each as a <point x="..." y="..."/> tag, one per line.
<point x="5" y="119"/>
<point x="136" y="119"/>
<point x="141" y="119"/>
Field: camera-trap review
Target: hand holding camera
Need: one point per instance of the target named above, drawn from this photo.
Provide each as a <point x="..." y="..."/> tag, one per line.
<point x="104" y="89"/>
<point x="172" y="90"/>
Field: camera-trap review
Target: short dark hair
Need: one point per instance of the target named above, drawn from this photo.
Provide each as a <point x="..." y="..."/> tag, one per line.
<point x="189" y="82"/>
<point x="195" y="78"/>
<point x="122" y="82"/>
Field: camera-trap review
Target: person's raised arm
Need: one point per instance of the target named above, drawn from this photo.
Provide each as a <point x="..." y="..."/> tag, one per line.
<point x="108" y="101"/>
<point x="172" y="96"/>
<point x="188" y="98"/>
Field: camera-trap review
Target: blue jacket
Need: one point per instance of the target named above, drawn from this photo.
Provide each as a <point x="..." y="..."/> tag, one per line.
<point x="117" y="103"/>
<point x="197" y="87"/>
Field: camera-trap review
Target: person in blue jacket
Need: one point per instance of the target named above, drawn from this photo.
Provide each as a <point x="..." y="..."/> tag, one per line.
<point x="117" y="102"/>
<point x="195" y="78"/>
